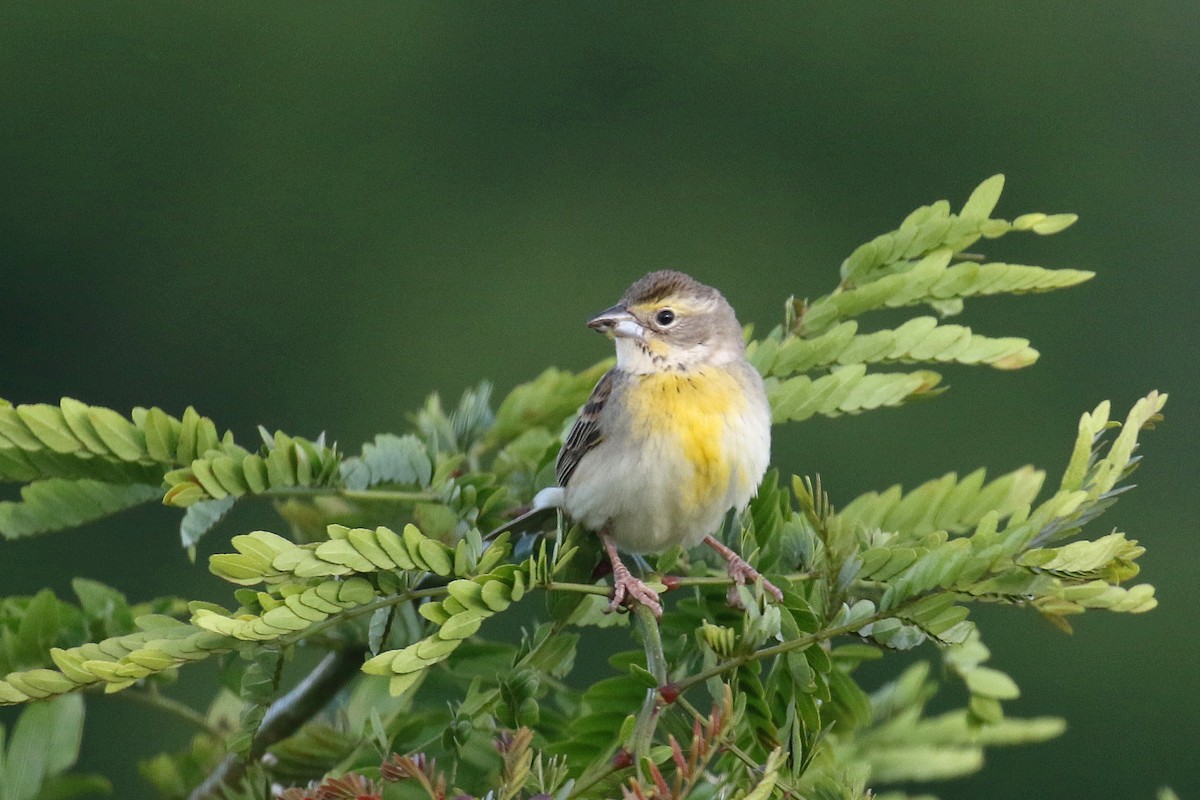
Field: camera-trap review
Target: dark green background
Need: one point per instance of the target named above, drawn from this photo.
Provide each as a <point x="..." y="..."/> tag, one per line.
<point x="309" y="215"/>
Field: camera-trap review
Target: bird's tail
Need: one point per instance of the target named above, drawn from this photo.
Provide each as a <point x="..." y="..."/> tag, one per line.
<point x="538" y="517"/>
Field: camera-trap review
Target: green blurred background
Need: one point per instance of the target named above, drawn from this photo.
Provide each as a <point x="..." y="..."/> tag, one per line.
<point x="309" y="215"/>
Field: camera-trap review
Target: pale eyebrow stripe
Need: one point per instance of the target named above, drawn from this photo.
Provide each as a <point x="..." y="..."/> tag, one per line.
<point x="677" y="304"/>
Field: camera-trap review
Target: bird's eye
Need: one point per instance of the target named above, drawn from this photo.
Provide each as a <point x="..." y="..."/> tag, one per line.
<point x="665" y="317"/>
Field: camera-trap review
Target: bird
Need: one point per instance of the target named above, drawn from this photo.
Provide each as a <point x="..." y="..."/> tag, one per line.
<point x="675" y="435"/>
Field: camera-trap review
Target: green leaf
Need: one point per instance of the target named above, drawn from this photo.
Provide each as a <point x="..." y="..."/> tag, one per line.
<point x="66" y="734"/>
<point x="898" y="763"/>
<point x="118" y="434"/>
<point x="1110" y="557"/>
<point x="643" y="676"/>
<point x="1015" y="730"/>
<point x="378" y="629"/>
<point x="946" y="503"/>
<point x="37" y="630"/>
<point x="15" y="433"/>
<point x="48" y="425"/>
<point x="389" y="459"/>
<point x="993" y="683"/>
<point x="983" y="199"/>
<point x="846" y="390"/>
<point x="75" y="415"/>
<point x="462" y="625"/>
<point x="934" y="279"/>
<point x="56" y="503"/>
<point x="546" y="401"/>
<point x="919" y="339"/>
<point x="45" y="742"/>
<point x="200" y="518"/>
<point x="226" y="469"/>
<point x="1044" y="224"/>
<point x="103" y="604"/>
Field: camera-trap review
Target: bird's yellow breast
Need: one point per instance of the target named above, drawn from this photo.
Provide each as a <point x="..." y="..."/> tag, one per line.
<point x="689" y="413"/>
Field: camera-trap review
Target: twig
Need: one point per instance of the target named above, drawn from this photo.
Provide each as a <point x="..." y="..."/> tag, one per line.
<point x="783" y="647"/>
<point x="656" y="659"/>
<point x="388" y="495"/>
<point x="160" y="702"/>
<point x="581" y="588"/>
<point x="286" y="715"/>
<point x="675" y="582"/>
<point x="656" y="662"/>
<point x="358" y="611"/>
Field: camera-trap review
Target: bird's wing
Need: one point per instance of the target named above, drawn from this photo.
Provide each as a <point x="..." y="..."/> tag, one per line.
<point x="584" y="435"/>
<point x="536" y="516"/>
<point x="586" y="432"/>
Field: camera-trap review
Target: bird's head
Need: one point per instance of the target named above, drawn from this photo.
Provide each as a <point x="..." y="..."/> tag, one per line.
<point x="669" y="320"/>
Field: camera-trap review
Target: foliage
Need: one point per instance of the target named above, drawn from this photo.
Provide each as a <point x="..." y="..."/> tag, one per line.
<point x="383" y="554"/>
<point x="43" y="747"/>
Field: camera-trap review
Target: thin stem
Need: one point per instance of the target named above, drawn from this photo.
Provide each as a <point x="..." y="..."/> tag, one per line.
<point x="676" y="583"/>
<point x="389" y="495"/>
<point x="656" y="659"/>
<point x="358" y="611"/>
<point x="643" y="732"/>
<point x="703" y="580"/>
<point x="719" y="580"/>
<point x="438" y="591"/>
<point x="581" y="588"/>
<point x="656" y="662"/>
<point x="160" y="702"/>
<point x="778" y="649"/>
<point x="416" y="594"/>
<point x="286" y="715"/>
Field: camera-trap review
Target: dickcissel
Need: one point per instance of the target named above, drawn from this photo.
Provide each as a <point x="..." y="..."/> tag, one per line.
<point x="672" y="437"/>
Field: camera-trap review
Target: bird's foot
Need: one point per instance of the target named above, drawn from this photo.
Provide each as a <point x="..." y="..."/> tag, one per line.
<point x="628" y="590"/>
<point x="742" y="573"/>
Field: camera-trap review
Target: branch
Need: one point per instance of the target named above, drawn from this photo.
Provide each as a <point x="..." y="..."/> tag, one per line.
<point x="160" y="702"/>
<point x="673" y="690"/>
<point x="656" y="662"/>
<point x="287" y="714"/>
<point x="385" y="495"/>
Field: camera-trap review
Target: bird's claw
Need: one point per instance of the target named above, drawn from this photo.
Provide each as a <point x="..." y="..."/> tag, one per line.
<point x="742" y="573"/>
<point x="628" y="590"/>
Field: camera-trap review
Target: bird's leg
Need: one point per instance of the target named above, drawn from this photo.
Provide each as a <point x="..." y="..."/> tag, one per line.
<point x="740" y="570"/>
<point x="627" y="588"/>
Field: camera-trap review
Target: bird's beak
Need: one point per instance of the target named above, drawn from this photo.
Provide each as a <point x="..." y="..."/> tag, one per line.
<point x="617" y="322"/>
